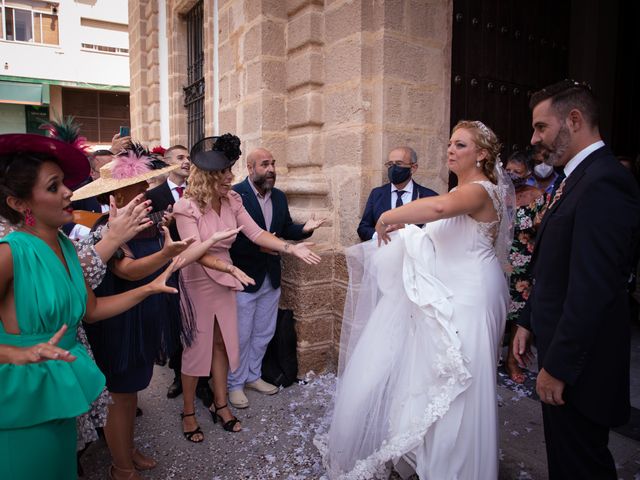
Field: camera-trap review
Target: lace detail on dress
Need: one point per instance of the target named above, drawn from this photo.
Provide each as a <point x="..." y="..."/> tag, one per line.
<point x="451" y="367"/>
<point x="490" y="229"/>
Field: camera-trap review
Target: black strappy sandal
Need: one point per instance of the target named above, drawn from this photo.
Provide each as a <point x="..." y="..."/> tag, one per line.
<point x="228" y="426"/>
<point x="189" y="435"/>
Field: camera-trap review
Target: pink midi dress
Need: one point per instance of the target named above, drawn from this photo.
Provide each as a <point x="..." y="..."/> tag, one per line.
<point x="212" y="293"/>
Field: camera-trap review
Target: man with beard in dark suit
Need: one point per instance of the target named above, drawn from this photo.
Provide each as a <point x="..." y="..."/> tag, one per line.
<point x="258" y="304"/>
<point x="578" y="309"/>
<point x="163" y="197"/>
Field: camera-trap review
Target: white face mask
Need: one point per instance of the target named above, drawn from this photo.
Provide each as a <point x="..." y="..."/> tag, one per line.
<point x="543" y="170"/>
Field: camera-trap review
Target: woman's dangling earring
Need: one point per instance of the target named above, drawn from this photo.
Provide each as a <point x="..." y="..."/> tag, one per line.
<point x="29" y="219"/>
<point x="477" y="163"/>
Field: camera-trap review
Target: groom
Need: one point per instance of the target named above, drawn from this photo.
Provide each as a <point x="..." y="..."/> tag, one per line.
<point x="577" y="308"/>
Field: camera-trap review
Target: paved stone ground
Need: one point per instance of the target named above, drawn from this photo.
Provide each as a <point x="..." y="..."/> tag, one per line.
<point x="277" y="439"/>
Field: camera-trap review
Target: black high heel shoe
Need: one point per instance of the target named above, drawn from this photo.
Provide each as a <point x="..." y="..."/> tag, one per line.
<point x="189" y="435"/>
<point x="228" y="426"/>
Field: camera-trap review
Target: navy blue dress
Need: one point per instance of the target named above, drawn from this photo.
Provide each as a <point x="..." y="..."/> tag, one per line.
<point x="127" y="346"/>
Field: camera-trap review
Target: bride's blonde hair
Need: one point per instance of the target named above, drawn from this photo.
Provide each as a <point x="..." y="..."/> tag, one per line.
<point x="485" y="139"/>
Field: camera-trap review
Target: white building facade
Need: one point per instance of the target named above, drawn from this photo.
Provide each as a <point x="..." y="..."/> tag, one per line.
<point x="68" y="57"/>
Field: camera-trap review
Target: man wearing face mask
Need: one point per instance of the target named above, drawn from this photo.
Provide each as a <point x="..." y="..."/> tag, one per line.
<point x="544" y="176"/>
<point x="401" y="164"/>
<point x="258" y="304"/>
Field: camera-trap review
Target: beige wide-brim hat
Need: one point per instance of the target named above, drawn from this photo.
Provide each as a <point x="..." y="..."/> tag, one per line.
<point x="129" y="175"/>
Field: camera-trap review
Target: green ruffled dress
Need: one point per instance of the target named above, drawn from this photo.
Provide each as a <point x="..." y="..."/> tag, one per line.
<point x="39" y="402"/>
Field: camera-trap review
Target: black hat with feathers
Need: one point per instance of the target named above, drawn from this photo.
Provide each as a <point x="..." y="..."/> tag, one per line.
<point x="216" y="153"/>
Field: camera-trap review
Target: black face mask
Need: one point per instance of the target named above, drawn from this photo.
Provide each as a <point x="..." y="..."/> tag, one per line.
<point x="517" y="180"/>
<point x="398" y="175"/>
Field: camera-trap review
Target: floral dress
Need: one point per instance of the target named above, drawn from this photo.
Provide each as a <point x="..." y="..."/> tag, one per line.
<point x="524" y="235"/>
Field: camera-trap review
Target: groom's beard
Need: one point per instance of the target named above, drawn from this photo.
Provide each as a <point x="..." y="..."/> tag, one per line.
<point x="558" y="148"/>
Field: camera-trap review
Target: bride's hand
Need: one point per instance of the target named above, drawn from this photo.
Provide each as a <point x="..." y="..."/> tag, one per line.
<point x="383" y="231"/>
<point x="393" y="228"/>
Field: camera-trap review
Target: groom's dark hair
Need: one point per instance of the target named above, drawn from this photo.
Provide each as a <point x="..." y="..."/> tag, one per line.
<point x="567" y="95"/>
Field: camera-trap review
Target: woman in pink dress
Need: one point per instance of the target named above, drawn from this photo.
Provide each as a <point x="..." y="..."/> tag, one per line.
<point x="210" y="205"/>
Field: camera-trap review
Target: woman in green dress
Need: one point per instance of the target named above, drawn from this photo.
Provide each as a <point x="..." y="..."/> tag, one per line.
<point x="47" y="377"/>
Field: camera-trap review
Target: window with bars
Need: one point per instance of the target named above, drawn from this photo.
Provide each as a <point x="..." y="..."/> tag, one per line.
<point x="24" y="25"/>
<point x="194" y="91"/>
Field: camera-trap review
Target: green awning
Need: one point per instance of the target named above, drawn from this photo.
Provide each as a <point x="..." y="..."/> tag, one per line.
<point x="65" y="83"/>
<point x="24" y="93"/>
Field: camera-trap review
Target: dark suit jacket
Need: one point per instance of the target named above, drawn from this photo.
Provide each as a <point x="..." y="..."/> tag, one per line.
<point x="379" y="201"/>
<point x="245" y="254"/>
<point x="578" y="308"/>
<point x="161" y="198"/>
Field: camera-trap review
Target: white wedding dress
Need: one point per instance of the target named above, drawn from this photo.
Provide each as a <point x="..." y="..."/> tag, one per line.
<point x="420" y="338"/>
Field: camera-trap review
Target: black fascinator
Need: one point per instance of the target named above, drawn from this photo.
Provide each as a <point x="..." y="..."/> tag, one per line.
<point x="216" y="153"/>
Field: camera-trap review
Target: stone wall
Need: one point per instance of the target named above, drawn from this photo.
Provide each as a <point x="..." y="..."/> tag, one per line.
<point x="329" y="87"/>
<point x="143" y="63"/>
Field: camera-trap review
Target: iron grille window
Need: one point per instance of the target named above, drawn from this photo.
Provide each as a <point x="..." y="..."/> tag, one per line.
<point x="194" y="91"/>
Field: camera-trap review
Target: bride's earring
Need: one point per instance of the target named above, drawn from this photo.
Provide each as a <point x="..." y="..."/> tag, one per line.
<point x="477" y="163"/>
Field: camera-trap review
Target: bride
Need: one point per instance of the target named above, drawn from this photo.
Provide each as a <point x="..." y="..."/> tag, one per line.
<point x="421" y="330"/>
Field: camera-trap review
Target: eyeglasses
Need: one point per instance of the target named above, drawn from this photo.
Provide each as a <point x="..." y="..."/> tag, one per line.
<point x="397" y="163"/>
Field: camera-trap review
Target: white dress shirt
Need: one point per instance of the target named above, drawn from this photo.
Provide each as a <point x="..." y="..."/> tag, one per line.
<point x="174" y="192"/>
<point x="407" y="196"/>
<point x="580" y="156"/>
<point x="265" y="205"/>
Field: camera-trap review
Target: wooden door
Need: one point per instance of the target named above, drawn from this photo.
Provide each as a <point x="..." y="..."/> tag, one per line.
<point x="502" y="51"/>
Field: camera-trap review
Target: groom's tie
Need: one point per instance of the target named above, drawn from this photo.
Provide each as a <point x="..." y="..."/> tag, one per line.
<point x="399" y="199"/>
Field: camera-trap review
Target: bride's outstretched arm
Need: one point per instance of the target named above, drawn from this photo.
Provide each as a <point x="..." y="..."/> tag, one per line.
<point x="467" y="199"/>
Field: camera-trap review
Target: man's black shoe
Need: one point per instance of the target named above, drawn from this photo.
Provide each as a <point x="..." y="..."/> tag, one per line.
<point x="175" y="388"/>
